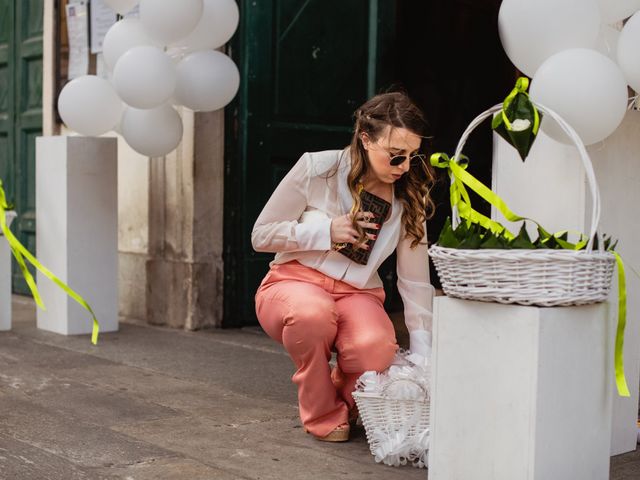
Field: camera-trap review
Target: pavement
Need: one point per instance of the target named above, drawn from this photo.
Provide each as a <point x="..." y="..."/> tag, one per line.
<point x="157" y="403"/>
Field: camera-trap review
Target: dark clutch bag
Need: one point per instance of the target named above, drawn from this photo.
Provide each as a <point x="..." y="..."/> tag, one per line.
<point x="380" y="208"/>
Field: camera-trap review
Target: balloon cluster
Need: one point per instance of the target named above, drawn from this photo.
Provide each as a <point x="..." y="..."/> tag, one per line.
<point x="579" y="60"/>
<point x="166" y="57"/>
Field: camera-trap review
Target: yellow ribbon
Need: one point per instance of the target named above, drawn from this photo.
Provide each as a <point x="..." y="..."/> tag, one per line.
<point x="460" y="198"/>
<point x="621" y="382"/>
<point x="20" y="253"/>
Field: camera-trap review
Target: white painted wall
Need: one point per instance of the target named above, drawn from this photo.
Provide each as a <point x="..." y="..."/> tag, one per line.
<point x="617" y="166"/>
<point x="550" y="187"/>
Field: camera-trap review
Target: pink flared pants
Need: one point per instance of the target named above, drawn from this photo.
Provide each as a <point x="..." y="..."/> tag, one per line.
<point x="312" y="314"/>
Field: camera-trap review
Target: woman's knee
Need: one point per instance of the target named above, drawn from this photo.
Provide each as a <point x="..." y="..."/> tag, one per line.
<point x="370" y="352"/>
<point x="309" y="321"/>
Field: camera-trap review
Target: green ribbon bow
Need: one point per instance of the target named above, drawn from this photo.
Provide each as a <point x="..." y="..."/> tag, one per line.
<point x="20" y="253"/>
<point x="459" y="198"/>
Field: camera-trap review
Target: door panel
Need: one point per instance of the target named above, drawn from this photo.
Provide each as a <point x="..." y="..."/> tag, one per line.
<point x="305" y="66"/>
<point x="6" y="96"/>
<point x="20" y="113"/>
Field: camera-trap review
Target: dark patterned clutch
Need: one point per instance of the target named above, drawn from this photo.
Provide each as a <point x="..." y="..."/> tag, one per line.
<point x="380" y="209"/>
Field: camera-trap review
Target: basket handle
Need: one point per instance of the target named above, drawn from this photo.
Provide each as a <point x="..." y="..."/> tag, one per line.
<point x="584" y="156"/>
<point x="392" y="382"/>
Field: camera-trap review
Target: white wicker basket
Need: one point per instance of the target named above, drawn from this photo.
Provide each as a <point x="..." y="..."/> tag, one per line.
<point x="385" y="417"/>
<point x="529" y="277"/>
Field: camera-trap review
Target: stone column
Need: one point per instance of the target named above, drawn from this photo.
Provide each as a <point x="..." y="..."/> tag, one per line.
<point x="184" y="270"/>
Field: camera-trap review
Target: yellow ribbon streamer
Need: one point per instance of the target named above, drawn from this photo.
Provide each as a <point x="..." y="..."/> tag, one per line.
<point x="460" y="198"/>
<point x="20" y="253"/>
<point x="621" y="381"/>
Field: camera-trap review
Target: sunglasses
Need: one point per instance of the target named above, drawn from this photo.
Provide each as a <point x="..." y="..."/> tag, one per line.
<point x="417" y="159"/>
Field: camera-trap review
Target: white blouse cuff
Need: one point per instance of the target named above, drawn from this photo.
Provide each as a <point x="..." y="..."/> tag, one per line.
<point x="314" y="235"/>
<point x="420" y="343"/>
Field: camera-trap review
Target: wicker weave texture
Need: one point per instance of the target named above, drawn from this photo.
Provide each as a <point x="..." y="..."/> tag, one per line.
<point x="527" y="277"/>
<point x="541" y="277"/>
<point x="388" y="415"/>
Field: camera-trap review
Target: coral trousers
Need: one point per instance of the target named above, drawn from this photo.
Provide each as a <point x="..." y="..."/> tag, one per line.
<point x="312" y="314"/>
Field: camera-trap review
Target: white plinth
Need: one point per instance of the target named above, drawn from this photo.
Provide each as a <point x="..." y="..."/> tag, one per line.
<point x="521" y="392"/>
<point x="5" y="279"/>
<point x="77" y="231"/>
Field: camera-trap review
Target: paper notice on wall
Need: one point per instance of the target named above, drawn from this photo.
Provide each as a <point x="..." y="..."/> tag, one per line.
<point x="101" y="67"/>
<point x="102" y="18"/>
<point x="78" y="30"/>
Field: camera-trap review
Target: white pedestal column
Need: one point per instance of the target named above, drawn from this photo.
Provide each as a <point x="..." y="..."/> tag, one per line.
<point x="521" y="392"/>
<point x="77" y="231"/>
<point x="564" y="206"/>
<point x="5" y="279"/>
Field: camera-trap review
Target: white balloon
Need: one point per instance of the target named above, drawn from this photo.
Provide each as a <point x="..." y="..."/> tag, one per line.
<point x="607" y="42"/>
<point x="207" y="80"/>
<point x="144" y="77"/>
<point x="155" y="132"/>
<point x="89" y="105"/>
<point x="170" y="20"/>
<point x="121" y="6"/>
<point x="218" y="24"/>
<point x="533" y="30"/>
<point x="615" y="10"/>
<point x="123" y="36"/>
<point x="585" y="88"/>
<point x="627" y="54"/>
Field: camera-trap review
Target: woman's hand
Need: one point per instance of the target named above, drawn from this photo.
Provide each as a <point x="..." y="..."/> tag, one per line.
<point x="342" y="230"/>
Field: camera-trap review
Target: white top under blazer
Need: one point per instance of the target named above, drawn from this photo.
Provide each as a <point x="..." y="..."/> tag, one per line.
<point x="296" y="225"/>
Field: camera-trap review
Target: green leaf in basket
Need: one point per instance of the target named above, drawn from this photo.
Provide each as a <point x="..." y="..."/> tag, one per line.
<point x="447" y="237"/>
<point x="522" y="240"/>
<point x="473" y="239"/>
<point x="462" y="230"/>
<point x="492" y="240"/>
<point x="608" y="245"/>
<point x="545" y="240"/>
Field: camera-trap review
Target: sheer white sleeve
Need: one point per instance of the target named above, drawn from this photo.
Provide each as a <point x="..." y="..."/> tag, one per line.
<point x="416" y="291"/>
<point x="277" y="228"/>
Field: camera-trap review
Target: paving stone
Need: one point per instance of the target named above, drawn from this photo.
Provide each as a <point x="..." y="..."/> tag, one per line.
<point x="67" y="437"/>
<point x="194" y="398"/>
<point x="152" y="403"/>
<point x="259" y="369"/>
<point x="269" y="450"/>
<point x="19" y="460"/>
<point x="14" y="349"/>
<point x="165" y="469"/>
<point x="626" y="467"/>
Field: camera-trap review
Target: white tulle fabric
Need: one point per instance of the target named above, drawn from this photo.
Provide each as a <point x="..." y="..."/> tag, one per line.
<point x="394" y="407"/>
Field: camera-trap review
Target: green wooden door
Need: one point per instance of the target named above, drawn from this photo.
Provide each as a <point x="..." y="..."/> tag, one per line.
<point x="305" y="65"/>
<point x="20" y="112"/>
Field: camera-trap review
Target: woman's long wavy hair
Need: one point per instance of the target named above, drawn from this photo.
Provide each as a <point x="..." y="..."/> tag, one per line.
<point x="394" y="109"/>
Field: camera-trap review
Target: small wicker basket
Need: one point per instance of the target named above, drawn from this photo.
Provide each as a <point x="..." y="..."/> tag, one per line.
<point x="385" y="417"/>
<point x="529" y="277"/>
